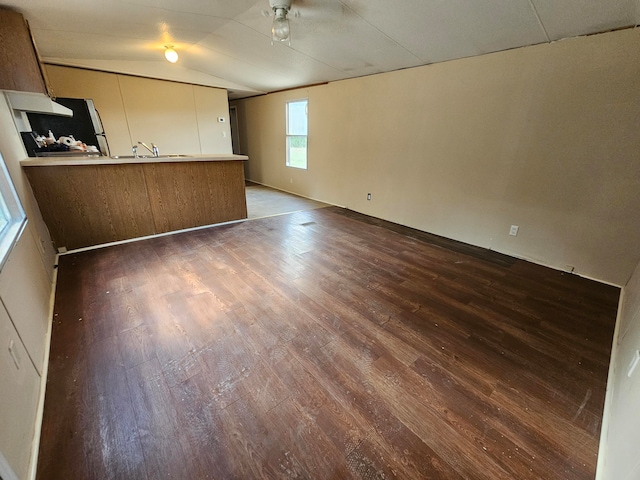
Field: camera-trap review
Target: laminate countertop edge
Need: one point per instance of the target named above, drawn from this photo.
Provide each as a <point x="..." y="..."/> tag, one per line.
<point x="72" y="161"/>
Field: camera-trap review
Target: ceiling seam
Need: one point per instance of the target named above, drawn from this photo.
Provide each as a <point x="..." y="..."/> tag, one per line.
<point x="381" y="32"/>
<point x="199" y="44"/>
<point x="535" y="12"/>
<point x="274" y="72"/>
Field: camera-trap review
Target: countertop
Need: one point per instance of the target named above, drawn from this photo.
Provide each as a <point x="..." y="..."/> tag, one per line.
<point x="100" y="160"/>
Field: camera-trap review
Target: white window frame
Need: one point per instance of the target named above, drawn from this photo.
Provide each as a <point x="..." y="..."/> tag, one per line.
<point x="10" y="205"/>
<point x="288" y="135"/>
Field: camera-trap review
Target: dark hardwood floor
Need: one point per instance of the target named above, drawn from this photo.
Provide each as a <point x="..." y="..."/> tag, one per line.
<point x="322" y="345"/>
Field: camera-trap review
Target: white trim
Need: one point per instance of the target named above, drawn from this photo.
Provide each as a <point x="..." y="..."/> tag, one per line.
<point x="299" y="195"/>
<point x="17" y="218"/>
<point x="287" y="135"/>
<point x="147" y="237"/>
<point x="608" y="399"/>
<point x="35" y="445"/>
<point x="185" y="230"/>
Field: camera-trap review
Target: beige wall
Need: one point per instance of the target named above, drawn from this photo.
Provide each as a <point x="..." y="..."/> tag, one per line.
<point x="621" y="423"/>
<point x="177" y="117"/>
<point x="25" y="291"/>
<point x="543" y="137"/>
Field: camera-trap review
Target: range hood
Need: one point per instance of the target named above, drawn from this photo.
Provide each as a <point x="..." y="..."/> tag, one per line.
<point x="35" y="102"/>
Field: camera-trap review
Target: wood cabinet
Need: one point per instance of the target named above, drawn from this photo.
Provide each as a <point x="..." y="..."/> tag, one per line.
<point x="21" y="68"/>
<point x="96" y="203"/>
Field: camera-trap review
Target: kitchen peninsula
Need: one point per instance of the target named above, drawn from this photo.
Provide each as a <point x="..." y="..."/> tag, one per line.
<point x="89" y="201"/>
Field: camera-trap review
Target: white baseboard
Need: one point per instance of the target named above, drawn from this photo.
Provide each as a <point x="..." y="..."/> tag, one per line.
<point x="608" y="399"/>
<point x="35" y="445"/>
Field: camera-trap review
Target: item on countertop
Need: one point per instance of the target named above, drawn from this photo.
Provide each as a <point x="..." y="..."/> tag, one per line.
<point x="56" y="147"/>
<point x="68" y="140"/>
<point x="39" y="144"/>
<point x="40" y="141"/>
<point x="77" y="145"/>
<point x="50" y="140"/>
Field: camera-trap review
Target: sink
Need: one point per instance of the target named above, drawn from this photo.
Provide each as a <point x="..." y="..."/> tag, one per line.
<point x="171" y="155"/>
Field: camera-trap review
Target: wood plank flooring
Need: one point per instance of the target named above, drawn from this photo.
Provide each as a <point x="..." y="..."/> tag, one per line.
<point x="322" y="344"/>
<point x="266" y="201"/>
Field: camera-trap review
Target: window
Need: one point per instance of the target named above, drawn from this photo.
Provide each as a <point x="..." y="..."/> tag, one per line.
<point x="297" y="126"/>
<point x="12" y="217"/>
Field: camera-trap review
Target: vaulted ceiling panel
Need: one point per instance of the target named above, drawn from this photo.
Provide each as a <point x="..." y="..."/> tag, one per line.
<point x="222" y="9"/>
<point x="228" y="43"/>
<point x="438" y="30"/>
<point x="569" y="18"/>
<point x="254" y="48"/>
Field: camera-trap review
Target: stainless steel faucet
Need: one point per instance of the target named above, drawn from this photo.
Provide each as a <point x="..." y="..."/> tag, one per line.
<point x="154" y="150"/>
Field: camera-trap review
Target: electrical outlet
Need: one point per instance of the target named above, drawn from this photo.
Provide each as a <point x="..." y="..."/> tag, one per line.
<point x="368" y="196"/>
<point x="513" y="231"/>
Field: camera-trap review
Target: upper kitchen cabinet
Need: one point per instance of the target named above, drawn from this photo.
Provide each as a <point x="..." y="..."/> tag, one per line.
<point x="21" y="68"/>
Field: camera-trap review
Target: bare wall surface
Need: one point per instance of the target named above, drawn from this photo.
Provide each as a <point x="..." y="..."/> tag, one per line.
<point x="542" y="137"/>
<point x="178" y="117"/>
<point x="621" y="424"/>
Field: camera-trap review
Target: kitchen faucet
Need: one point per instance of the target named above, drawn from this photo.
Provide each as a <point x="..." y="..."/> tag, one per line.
<point x="154" y="150"/>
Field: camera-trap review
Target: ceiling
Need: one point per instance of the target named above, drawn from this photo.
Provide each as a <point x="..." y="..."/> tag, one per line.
<point x="227" y="43"/>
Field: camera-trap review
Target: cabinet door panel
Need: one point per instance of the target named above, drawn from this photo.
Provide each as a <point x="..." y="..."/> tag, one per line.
<point x="20" y="66"/>
<point x="19" y="387"/>
<point x="25" y="292"/>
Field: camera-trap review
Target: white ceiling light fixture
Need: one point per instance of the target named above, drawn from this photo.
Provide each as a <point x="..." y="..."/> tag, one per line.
<point x="170" y="54"/>
<point x="280" y="31"/>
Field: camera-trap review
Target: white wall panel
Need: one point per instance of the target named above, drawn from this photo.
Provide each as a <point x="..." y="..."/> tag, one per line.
<point x="19" y="386"/>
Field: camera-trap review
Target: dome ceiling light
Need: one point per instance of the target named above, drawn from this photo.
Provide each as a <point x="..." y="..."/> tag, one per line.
<point x="280" y="31"/>
<point x="170" y="54"/>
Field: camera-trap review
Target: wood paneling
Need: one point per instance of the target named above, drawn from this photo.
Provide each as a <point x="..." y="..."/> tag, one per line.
<point x="20" y="64"/>
<point x="188" y="194"/>
<point x="87" y="205"/>
<point x="322" y="344"/>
